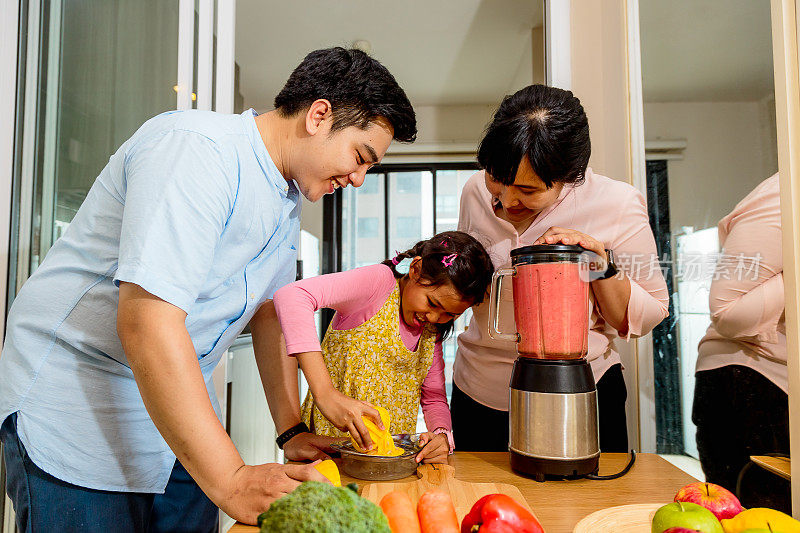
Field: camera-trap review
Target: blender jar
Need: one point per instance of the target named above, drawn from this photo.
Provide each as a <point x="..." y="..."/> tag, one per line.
<point x="551" y="292"/>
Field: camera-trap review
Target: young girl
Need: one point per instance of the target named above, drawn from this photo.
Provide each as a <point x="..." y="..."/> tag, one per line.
<point x="384" y="345"/>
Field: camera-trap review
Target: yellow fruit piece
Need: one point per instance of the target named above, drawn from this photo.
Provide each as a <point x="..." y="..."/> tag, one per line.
<point x="329" y="469"/>
<point x="382" y="440"/>
<point x="761" y="517"/>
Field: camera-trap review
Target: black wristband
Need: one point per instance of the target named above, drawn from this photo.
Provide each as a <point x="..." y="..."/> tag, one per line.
<point x="286" y="436"/>
<point x="611" y="268"/>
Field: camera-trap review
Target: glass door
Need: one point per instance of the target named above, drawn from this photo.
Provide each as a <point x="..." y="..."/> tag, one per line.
<point x="94" y="72"/>
<point x="89" y="74"/>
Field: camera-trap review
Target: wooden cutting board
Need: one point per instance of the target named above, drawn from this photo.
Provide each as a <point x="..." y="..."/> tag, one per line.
<point x="442" y="477"/>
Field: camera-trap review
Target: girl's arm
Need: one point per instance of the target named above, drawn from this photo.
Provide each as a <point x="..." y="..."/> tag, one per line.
<point x="433" y="398"/>
<point x="356" y="295"/>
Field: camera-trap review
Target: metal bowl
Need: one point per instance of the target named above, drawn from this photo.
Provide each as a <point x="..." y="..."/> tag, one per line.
<point x="379" y="467"/>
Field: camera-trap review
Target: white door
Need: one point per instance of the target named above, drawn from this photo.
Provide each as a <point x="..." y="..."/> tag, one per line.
<point x="77" y="79"/>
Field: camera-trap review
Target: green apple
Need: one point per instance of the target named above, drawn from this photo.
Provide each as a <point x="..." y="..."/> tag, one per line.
<point x="687" y="515"/>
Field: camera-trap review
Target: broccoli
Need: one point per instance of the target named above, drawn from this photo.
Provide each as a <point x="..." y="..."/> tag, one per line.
<point x="322" y="508"/>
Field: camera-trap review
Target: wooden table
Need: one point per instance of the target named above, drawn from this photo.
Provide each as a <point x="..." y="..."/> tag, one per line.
<point x="560" y="505"/>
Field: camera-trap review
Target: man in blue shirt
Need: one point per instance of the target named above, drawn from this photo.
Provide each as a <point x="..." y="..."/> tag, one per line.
<point x="105" y="376"/>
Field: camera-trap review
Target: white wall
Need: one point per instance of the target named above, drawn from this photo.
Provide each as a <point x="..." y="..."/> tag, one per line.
<point x="454" y="123"/>
<point x="600" y="81"/>
<point x="731" y="147"/>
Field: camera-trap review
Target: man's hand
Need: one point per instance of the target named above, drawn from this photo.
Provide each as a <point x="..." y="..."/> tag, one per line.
<point x="253" y="488"/>
<point x="309" y="447"/>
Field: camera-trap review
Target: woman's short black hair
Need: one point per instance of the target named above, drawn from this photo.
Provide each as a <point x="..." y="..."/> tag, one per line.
<point x="545" y="124"/>
<point x="451" y="257"/>
<point x="359" y="88"/>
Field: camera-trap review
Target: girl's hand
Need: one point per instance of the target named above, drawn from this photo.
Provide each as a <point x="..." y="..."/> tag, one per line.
<point x="557" y="235"/>
<point x="435" y="448"/>
<point x="345" y="413"/>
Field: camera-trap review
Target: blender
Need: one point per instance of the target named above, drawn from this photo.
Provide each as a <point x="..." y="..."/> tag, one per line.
<point x="553" y="427"/>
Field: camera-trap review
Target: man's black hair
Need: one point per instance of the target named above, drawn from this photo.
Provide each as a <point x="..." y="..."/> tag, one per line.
<point x="545" y="124"/>
<point x="359" y="88"/>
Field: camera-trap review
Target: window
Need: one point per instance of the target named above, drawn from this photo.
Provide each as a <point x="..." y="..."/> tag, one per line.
<point x="367" y="227"/>
<point x="410" y="209"/>
<point x="449" y="184"/>
<point x="363" y="227"/>
<point x="371" y="185"/>
<point x="408" y="228"/>
<point x="408" y="182"/>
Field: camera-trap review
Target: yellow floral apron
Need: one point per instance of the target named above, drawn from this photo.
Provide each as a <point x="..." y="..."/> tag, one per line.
<point x="371" y="363"/>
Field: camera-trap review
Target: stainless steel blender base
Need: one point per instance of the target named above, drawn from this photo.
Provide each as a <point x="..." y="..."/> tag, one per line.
<point x="553" y="427"/>
<point x="540" y="468"/>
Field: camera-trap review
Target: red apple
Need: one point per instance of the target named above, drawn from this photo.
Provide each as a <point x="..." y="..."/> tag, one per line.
<point x="716" y="499"/>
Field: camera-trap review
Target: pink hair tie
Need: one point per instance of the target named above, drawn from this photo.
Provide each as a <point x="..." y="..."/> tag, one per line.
<point x="394" y="259"/>
<point x="448" y="259"/>
<point x="443" y="243"/>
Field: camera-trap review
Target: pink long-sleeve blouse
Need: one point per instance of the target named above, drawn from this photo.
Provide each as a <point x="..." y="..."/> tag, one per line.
<point x="612" y="212"/>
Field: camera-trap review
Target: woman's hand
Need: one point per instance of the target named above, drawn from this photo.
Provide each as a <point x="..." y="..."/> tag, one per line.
<point x="557" y="235"/>
<point x="611" y="295"/>
<point x="435" y="448"/>
<point x="345" y="413"/>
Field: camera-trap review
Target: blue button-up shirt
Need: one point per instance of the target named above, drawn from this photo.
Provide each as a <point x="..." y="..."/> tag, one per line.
<point x="193" y="210"/>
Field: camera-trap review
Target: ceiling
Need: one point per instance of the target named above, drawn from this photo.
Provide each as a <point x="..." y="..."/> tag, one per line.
<point x="703" y="50"/>
<point x="441" y="52"/>
<point x="474" y="51"/>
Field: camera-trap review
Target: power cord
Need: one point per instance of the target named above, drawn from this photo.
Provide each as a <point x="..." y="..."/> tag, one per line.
<point x="618" y="474"/>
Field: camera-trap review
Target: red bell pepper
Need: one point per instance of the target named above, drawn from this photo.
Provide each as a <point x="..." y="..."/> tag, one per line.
<point x="498" y="513"/>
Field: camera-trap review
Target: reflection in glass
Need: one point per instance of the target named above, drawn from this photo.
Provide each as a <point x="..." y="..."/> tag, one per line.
<point x="709" y="120"/>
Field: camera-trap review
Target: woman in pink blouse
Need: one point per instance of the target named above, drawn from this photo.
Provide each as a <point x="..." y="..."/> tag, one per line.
<point x="536" y="189"/>
<point x="741" y="406"/>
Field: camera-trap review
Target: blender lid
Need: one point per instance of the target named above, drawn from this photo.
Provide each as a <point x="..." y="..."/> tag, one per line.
<point x="548" y="249"/>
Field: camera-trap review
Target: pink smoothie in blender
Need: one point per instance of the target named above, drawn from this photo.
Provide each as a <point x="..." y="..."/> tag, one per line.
<point x="551" y="310"/>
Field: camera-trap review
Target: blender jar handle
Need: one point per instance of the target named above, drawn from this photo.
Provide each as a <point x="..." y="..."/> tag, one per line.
<point x="494" y="306"/>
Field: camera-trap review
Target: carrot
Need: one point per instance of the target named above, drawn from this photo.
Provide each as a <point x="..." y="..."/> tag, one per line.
<point x="436" y="513"/>
<point x="400" y="512"/>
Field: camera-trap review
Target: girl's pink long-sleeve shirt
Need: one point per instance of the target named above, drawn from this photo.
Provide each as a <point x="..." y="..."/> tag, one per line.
<point x="356" y="295"/>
